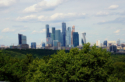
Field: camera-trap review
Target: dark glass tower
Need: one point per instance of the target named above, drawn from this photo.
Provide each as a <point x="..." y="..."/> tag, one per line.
<point x="82" y="41"/>
<point x="47" y="31"/>
<point x="20" y="38"/>
<point x="105" y="43"/>
<point x="75" y="39"/>
<point x="53" y="33"/>
<point x="33" y="45"/>
<point x="63" y="34"/>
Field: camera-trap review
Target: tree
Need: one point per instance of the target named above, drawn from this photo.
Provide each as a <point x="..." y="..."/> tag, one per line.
<point x="87" y="65"/>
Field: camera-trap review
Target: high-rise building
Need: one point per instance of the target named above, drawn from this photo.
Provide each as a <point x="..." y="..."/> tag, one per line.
<point x="73" y="30"/>
<point x="61" y="37"/>
<point x="113" y="48"/>
<point x="68" y="36"/>
<point x="105" y="43"/>
<point x="49" y="41"/>
<point x="53" y="33"/>
<point x="22" y="39"/>
<point x="57" y="35"/>
<point x="98" y="43"/>
<point x="84" y="38"/>
<point x="64" y="34"/>
<point x="75" y="39"/>
<point x="33" y="45"/>
<point x="47" y="32"/>
<point x="118" y="42"/>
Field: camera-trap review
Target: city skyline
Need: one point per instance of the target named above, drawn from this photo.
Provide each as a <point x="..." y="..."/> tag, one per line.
<point x="100" y="20"/>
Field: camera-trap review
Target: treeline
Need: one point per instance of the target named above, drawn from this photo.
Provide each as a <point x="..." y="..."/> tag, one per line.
<point x="85" y="65"/>
<point x="35" y="52"/>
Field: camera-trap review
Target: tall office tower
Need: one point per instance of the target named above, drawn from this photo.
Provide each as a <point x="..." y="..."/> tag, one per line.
<point x="118" y="42"/>
<point x="98" y="43"/>
<point x="68" y="36"/>
<point x="57" y="35"/>
<point x="22" y="39"/>
<point x="53" y="33"/>
<point x="50" y="34"/>
<point x="47" y="32"/>
<point x="61" y="37"/>
<point x="75" y="39"/>
<point x="84" y="38"/>
<point x="113" y="48"/>
<point x="64" y="34"/>
<point x="105" y="43"/>
<point x="73" y="30"/>
<point x="33" y="45"/>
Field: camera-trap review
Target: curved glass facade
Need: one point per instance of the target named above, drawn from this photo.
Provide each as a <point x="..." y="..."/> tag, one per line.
<point x="84" y="38"/>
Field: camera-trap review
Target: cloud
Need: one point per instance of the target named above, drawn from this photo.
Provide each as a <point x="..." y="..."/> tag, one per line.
<point x="57" y="17"/>
<point x="6" y="3"/>
<point x="44" y="5"/>
<point x="113" y="7"/>
<point x="43" y="30"/>
<point x="26" y="18"/>
<point x="102" y="13"/>
<point x="117" y="31"/>
<point x="117" y="20"/>
<point x="8" y="30"/>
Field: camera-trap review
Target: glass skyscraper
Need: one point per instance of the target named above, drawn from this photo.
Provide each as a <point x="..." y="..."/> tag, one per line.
<point x="75" y="39"/>
<point x="47" y="31"/>
<point x="84" y="38"/>
<point x="53" y="33"/>
<point x="57" y="35"/>
<point x="33" y="45"/>
<point x="105" y="43"/>
<point x="68" y="36"/>
<point x="22" y="39"/>
<point x="63" y="34"/>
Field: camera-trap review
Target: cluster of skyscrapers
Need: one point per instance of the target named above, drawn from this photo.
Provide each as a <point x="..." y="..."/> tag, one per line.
<point x="66" y="38"/>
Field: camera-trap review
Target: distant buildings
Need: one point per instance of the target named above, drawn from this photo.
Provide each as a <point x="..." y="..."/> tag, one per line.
<point x="22" y="42"/>
<point x="113" y="48"/>
<point x="33" y="45"/>
<point x="109" y="43"/>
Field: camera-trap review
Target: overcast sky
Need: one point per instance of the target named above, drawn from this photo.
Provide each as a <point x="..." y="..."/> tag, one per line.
<point x="100" y="19"/>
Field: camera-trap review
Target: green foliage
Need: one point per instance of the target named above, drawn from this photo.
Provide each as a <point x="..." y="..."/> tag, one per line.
<point x="90" y="64"/>
<point x="87" y="65"/>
